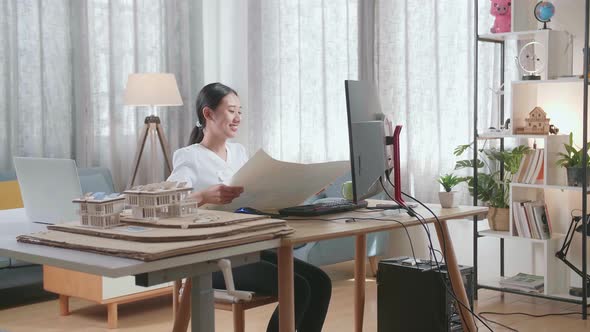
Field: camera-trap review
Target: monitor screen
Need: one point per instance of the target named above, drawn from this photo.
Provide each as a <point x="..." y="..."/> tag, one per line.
<point x="366" y="134"/>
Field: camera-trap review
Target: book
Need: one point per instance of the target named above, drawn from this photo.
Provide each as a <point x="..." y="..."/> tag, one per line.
<point x="548" y="219"/>
<point x="538" y="167"/>
<point x="541" y="219"/>
<point x="526" y="227"/>
<point x="516" y="230"/>
<point x="534" y="167"/>
<point x="524" y="164"/>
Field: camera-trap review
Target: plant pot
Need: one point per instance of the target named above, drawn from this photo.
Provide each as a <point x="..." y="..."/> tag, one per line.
<point x="498" y="218"/>
<point x="575" y="176"/>
<point x="447" y="199"/>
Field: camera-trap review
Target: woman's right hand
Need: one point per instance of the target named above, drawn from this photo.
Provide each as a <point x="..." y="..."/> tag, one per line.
<point x="217" y="194"/>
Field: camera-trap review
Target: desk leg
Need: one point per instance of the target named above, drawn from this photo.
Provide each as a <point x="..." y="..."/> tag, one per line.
<point x="286" y="289"/>
<point x="196" y="304"/>
<point x="176" y="297"/>
<point x="360" y="271"/>
<point x="442" y="231"/>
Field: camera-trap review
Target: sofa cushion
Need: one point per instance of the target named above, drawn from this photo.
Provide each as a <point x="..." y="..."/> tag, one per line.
<point x="10" y="196"/>
<point x="96" y="179"/>
<point x="4" y="262"/>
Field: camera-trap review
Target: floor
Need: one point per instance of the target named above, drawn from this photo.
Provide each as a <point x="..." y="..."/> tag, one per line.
<point x="155" y="314"/>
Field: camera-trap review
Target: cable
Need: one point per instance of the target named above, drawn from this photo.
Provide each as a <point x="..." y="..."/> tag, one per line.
<point x="497" y="323"/>
<point x="422" y="221"/>
<point x="418" y="216"/>
<point x="484" y="313"/>
<point x="530" y="315"/>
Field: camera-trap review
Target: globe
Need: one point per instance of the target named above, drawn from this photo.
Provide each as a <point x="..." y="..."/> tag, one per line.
<point x="544" y="11"/>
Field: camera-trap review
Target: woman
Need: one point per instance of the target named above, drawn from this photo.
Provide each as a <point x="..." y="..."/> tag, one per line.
<point x="208" y="161"/>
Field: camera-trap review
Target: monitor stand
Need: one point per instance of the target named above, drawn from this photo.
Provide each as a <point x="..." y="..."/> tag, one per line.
<point x="397" y="183"/>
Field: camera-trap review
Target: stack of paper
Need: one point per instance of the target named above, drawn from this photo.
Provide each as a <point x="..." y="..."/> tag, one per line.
<point x="524" y="282"/>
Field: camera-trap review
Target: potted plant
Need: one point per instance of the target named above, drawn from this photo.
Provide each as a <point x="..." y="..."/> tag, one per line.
<point x="572" y="161"/>
<point x="447" y="197"/>
<point x="493" y="187"/>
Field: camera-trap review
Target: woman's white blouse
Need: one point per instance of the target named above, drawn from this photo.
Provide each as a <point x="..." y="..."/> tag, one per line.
<point x="201" y="168"/>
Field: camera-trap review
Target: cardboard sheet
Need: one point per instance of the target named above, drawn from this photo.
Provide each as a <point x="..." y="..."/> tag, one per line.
<point x="270" y="184"/>
<point x="145" y="233"/>
<point x="147" y="251"/>
<point x="204" y="218"/>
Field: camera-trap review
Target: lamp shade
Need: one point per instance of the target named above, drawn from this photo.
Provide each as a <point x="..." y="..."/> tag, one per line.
<point x="152" y="89"/>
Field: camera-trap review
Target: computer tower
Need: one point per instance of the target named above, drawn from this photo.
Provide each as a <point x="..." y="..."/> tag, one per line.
<point x="414" y="297"/>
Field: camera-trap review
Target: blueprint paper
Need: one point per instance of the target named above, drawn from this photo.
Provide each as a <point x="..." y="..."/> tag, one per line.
<point x="271" y="184"/>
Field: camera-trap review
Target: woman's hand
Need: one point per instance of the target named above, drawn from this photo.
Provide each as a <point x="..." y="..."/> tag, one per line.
<point x="217" y="194"/>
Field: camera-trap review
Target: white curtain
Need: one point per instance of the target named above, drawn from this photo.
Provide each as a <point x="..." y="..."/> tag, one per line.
<point x="64" y="66"/>
<point x="423" y="64"/>
<point x="299" y="54"/>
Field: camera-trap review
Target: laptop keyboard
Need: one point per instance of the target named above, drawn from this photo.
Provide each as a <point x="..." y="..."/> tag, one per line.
<point x="319" y="209"/>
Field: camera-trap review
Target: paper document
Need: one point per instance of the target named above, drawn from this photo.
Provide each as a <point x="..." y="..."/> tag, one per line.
<point x="271" y="184"/>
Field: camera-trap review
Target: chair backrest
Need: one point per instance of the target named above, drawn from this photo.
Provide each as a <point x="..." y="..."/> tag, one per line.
<point x="95" y="179"/>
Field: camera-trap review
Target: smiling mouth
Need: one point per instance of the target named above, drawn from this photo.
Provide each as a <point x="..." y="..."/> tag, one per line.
<point x="233" y="127"/>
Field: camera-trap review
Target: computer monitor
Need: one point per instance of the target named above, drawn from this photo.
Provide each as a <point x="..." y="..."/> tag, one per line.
<point x="366" y="134"/>
<point x="48" y="186"/>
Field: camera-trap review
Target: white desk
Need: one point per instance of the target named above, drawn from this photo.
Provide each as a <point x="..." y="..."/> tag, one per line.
<point x="197" y="266"/>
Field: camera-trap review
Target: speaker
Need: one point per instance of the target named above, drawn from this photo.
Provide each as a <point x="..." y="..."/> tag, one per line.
<point x="414" y="297"/>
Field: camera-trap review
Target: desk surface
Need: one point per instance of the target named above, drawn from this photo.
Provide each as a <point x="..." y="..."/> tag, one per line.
<point x="111" y="266"/>
<point x="98" y="264"/>
<point x="307" y="230"/>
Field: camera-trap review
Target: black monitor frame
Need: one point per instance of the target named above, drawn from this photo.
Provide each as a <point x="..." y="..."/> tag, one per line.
<point x="366" y="135"/>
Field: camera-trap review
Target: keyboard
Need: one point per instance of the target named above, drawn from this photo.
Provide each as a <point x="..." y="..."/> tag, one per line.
<point x="319" y="209"/>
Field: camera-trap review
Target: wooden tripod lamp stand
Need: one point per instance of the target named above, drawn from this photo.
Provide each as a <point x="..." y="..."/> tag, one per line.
<point x="152" y="89"/>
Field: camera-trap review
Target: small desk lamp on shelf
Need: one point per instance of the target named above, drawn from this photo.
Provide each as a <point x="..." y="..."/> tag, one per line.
<point x="152" y="89"/>
<point x="575" y="227"/>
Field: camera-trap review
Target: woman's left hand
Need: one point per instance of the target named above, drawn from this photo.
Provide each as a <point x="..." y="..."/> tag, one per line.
<point x="217" y="194"/>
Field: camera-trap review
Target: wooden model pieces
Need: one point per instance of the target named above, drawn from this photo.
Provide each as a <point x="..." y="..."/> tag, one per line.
<point x="161" y="200"/>
<point x="100" y="210"/>
<point x="536" y="123"/>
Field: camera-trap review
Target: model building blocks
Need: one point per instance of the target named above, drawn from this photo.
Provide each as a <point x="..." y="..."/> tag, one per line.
<point x="160" y="200"/>
<point x="100" y="210"/>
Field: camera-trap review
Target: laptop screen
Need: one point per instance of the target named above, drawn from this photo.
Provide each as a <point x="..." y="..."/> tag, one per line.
<point x="47" y="187"/>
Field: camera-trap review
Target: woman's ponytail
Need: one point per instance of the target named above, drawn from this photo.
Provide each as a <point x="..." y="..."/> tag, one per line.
<point x="196" y="136"/>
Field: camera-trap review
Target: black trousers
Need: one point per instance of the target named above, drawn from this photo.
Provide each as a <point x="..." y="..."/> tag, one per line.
<point x="313" y="289"/>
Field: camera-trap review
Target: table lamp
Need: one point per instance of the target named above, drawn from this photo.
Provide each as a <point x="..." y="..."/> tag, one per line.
<point x="152" y="89"/>
<point x="562" y="253"/>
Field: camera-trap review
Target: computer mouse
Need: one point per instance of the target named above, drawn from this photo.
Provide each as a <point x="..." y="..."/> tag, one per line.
<point x="249" y="210"/>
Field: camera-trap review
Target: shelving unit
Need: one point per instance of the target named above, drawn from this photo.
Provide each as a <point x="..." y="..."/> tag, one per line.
<point x="566" y="101"/>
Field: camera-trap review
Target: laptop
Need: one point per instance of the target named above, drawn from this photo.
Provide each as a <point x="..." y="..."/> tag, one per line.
<point x="47" y="187"/>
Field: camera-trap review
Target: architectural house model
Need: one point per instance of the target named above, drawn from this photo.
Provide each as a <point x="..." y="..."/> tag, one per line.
<point x="100" y="210"/>
<point x="160" y="200"/>
<point x="536" y="123"/>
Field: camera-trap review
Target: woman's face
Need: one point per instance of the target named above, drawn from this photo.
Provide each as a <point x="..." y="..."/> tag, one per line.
<point x="225" y="120"/>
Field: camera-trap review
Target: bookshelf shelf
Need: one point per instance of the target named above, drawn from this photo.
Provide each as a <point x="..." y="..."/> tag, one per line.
<point x="520" y="35"/>
<point x="547" y="186"/>
<point x="494" y="284"/>
<point x="506" y="235"/>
